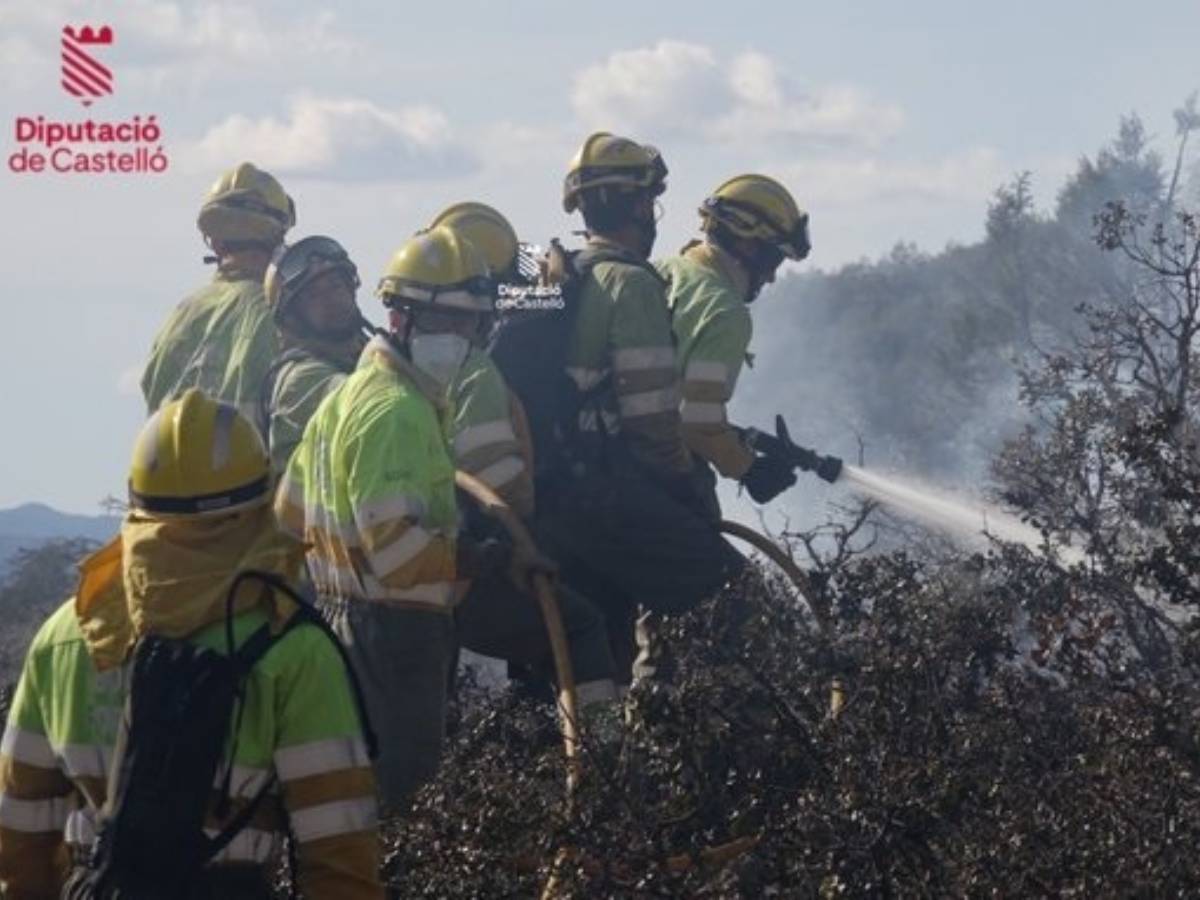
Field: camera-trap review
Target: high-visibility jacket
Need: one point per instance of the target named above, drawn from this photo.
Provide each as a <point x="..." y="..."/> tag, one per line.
<point x="712" y="330"/>
<point x="371" y="488"/>
<point x="623" y="330"/>
<point x="220" y="339"/>
<point x="487" y="432"/>
<point x="299" y="723"/>
<point x="299" y="385"/>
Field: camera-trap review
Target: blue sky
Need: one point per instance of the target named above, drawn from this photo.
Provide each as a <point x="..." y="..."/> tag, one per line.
<point x="888" y="121"/>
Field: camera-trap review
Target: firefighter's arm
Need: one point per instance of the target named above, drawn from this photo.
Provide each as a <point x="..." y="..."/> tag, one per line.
<point x="396" y="460"/>
<point x="298" y="391"/>
<point x="709" y="379"/>
<point x="325" y="774"/>
<point x="34" y="800"/>
<point x="644" y="374"/>
<point x="486" y="437"/>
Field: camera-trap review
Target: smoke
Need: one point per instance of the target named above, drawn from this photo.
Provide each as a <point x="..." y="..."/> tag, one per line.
<point x="974" y="522"/>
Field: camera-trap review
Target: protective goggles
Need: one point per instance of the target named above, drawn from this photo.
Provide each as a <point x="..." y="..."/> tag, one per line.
<point x="300" y="263"/>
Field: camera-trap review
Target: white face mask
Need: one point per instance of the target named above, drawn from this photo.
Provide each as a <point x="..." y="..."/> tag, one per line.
<point x="439" y="356"/>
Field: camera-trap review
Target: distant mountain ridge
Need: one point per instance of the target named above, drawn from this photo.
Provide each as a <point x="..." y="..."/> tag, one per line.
<point x="32" y="524"/>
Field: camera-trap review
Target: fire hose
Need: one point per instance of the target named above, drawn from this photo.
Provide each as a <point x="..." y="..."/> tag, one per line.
<point x="491" y="504"/>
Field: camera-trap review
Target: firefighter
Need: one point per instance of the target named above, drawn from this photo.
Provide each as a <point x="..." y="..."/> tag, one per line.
<point x="750" y="224"/>
<point x="200" y="513"/>
<point x="221" y="338"/>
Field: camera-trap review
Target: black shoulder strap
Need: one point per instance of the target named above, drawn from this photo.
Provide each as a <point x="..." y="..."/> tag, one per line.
<point x="583" y="261"/>
<point x="305" y="614"/>
<point x="221" y="839"/>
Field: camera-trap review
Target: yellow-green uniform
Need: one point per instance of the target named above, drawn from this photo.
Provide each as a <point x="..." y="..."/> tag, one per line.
<point x="370" y="489"/>
<point x="487" y="432"/>
<point x="299" y="724"/>
<point x="293" y="391"/>
<point x="220" y="339"/>
<point x="712" y="331"/>
<point x="622" y="335"/>
<point x="630" y="528"/>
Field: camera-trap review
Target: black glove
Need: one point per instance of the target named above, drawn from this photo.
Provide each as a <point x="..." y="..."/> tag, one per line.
<point x="480" y="559"/>
<point x="768" y="477"/>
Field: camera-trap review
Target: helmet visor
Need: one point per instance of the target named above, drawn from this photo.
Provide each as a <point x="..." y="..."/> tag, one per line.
<point x="303" y="261"/>
<point x="798" y="244"/>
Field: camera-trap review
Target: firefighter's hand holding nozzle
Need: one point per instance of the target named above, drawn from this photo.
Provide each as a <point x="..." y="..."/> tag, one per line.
<point x="782" y="448"/>
<point x="768" y="476"/>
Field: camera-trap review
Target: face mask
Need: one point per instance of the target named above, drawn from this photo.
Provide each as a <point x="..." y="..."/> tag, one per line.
<point x="439" y="356"/>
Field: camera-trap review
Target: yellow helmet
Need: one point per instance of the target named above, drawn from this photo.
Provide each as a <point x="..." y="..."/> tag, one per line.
<point x="198" y="457"/>
<point x="605" y="159"/>
<point x="758" y="208"/>
<point x="441" y="267"/>
<point x="491" y="233"/>
<point x="246" y="204"/>
<point x="295" y="265"/>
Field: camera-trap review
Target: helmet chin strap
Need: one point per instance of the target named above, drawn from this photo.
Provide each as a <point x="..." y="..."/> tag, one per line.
<point x="746" y="261"/>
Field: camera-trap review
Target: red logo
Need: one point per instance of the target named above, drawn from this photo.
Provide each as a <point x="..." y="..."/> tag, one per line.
<point x="83" y="76"/>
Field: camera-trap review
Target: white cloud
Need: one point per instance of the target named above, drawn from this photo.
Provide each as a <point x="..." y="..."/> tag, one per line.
<point x="129" y="381"/>
<point x="683" y="89"/>
<point x="670" y="87"/>
<point x="235" y="31"/>
<point x="22" y="63"/>
<point x="164" y="45"/>
<point x="338" y="139"/>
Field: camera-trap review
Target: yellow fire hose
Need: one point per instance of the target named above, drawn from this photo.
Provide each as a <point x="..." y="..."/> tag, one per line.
<point x="491" y="504"/>
<point x="820" y="611"/>
<point x="777" y="555"/>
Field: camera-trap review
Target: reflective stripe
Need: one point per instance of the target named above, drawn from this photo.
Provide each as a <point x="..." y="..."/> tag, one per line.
<point x="339" y="817"/>
<point x="248" y="845"/>
<point x="85" y="760"/>
<point x="388" y="509"/>
<point x="289" y="492"/>
<point x="317" y="519"/>
<point x="501" y="472"/>
<point x="495" y="432"/>
<point x="648" y="403"/>
<point x="403" y="550"/>
<point x="589" y="421"/>
<point x="439" y="593"/>
<point x="586" y="378"/>
<point x="315" y="757"/>
<point x="28" y="747"/>
<point x="80" y="827"/>
<point x="635" y="358"/>
<point x="244" y="781"/>
<point x="33" y="815"/>
<point x="702" y="413"/>
<point x="707" y="370"/>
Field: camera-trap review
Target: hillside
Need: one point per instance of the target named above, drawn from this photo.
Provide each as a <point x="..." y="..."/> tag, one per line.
<point x="31" y="525"/>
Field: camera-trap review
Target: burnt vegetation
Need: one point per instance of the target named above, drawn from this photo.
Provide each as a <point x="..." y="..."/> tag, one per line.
<point x="1009" y="723"/>
<point x="1012" y="723"/>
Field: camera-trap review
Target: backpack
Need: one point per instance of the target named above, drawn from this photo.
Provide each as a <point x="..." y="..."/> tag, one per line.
<point x="529" y="347"/>
<point x="170" y="747"/>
